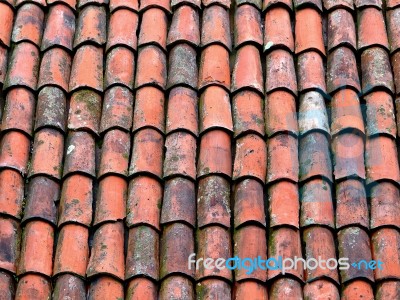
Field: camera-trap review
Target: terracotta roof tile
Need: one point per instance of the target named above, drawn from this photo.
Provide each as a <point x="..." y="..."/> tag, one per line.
<point x="76" y="200"/>
<point x="285" y="288"/>
<point x="317" y="204"/>
<point x="50" y="109"/>
<point x="214" y="288"/>
<point x="185" y="26"/>
<point x="280" y="113"/>
<point x="320" y="242"/>
<point x="392" y="3"/>
<point x="163" y="4"/>
<point x="387" y="289"/>
<point x="214" y="67"/>
<point x="11" y="193"/>
<point x="69" y="286"/>
<point x="175" y="4"/>
<point x="341" y="29"/>
<point x="111" y="199"/>
<point x="107" y="256"/>
<point x="385" y="208"/>
<point x="396" y="71"/>
<point x="28" y="25"/>
<point x="313" y="114"/>
<point x="7" y="19"/>
<point x="70" y="3"/>
<point x="91" y="26"/>
<point x="153" y="28"/>
<point x="151" y="67"/>
<point x="10" y="249"/>
<point x="7" y="285"/>
<point x="315" y="4"/>
<point x="371" y="29"/>
<point x="182" y="55"/>
<point x="273" y="3"/>
<point x="253" y="289"/>
<point x="142" y="255"/>
<point x="122" y="28"/>
<point x="120" y="68"/>
<point x="177" y="244"/>
<point x="43" y="193"/>
<point x="247" y="25"/>
<point x="351" y="204"/>
<point x="141" y="288"/>
<point x="176" y="287"/>
<point x="354" y="243"/>
<point x="33" y="285"/>
<point x="248" y="203"/>
<point x="310" y="72"/>
<point x="321" y="288"/>
<point x="80" y="156"/>
<point x="129" y="4"/>
<point x="308" y="31"/>
<point x="393" y="29"/>
<point x="182" y="111"/>
<point x="179" y="201"/>
<point x="213" y="198"/>
<point x="72" y="238"/>
<point x="144" y="202"/>
<point x="106" y="287"/>
<point x="279" y="193"/>
<point x="3" y="63"/>
<point x="357" y="289"/>
<point x="117" y="109"/>
<point x="19" y="111"/>
<point x="367" y="3"/>
<point x="278" y="29"/>
<point x="14" y="151"/>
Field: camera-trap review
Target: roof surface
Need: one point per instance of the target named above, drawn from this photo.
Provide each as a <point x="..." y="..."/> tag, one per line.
<point x="134" y="134"/>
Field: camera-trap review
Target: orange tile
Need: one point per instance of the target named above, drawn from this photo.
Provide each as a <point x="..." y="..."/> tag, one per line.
<point x="185" y="26"/>
<point x="385" y="208"/>
<point x="214" y="289"/>
<point x="6" y="17"/>
<point x="42" y="3"/>
<point x="29" y="23"/>
<point x="42" y="195"/>
<point x="11" y="193"/>
<point x="117" y="109"/>
<point x="153" y="28"/>
<point x="371" y="29"/>
<point x="107" y="252"/>
<point x="176" y="245"/>
<point x="215" y="154"/>
<point x="72" y="238"/>
<point x="311" y="72"/>
<point x="356" y="290"/>
<point x="80" y="154"/>
<point x="248" y="198"/>
<point x="342" y="70"/>
<point x="111" y="200"/>
<point x="179" y="201"/>
<point x="82" y="3"/>
<point x="19" y="110"/>
<point x="175" y="4"/>
<point x="122" y="28"/>
<point x="368" y="3"/>
<point x="250" y="241"/>
<point x="60" y="27"/>
<point x="141" y="288"/>
<point x="115" y="153"/>
<point x="215" y="28"/>
<point x="87" y="69"/>
<point x="321" y="289"/>
<point x="182" y="55"/>
<point x="213" y="201"/>
<point x="393" y="28"/>
<point x="213" y="242"/>
<point x="247" y="25"/>
<point x="250" y="158"/>
<point x="287" y="4"/>
<point x="314" y="157"/>
<point x="151" y="67"/>
<point x="3" y="63"/>
<point x="396" y="70"/>
<point x="392" y="3"/>
<point x="316" y="204"/>
<point x="105" y="287"/>
<point x="37" y="249"/>
<point x="312" y="114"/>
<point x="280" y="72"/>
<point x="23" y="66"/>
<point x="182" y="111"/>
<point x="70" y="3"/>
<point x="285" y="288"/>
<point x="7" y="286"/>
<point x="76" y="201"/>
<point x="84" y="111"/>
<point x="176" y="287"/>
<point x="341" y="27"/>
<point x="68" y="285"/>
<point x="143" y="250"/>
<point x="278" y="28"/>
<point x="247" y="71"/>
<point x="280" y="113"/>
<point x="47" y="154"/>
<point x="14" y="151"/>
<point x="130" y="4"/>
<point x="388" y="289"/>
<point x="332" y="5"/>
<point x="180" y="155"/>
<point x="147" y="153"/>
<point x="283" y="160"/>
<point x="10" y="235"/>
<point x="253" y="289"/>
<point x="354" y="243"/>
<point x="149" y="109"/>
<point x="283" y="198"/>
<point x="144" y="202"/>
<point x="120" y="68"/>
<point x="214" y="67"/>
<point x="314" y="4"/>
<point x="51" y="109"/>
<point x="91" y="26"/>
<point x="215" y="109"/>
<point x="308" y="31"/>
<point x="163" y="4"/>
<point x="348" y="156"/>
<point x="351" y="204"/>
<point x="33" y="286"/>
<point x="380" y="114"/>
<point x="320" y="242"/>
